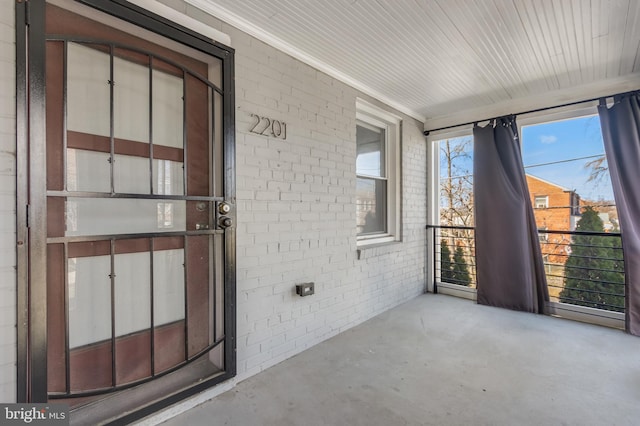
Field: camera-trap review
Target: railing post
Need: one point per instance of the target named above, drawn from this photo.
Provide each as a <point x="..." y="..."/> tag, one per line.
<point x="434" y="256"/>
<point x="428" y="261"/>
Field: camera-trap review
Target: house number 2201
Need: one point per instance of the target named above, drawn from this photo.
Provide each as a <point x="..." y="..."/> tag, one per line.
<point x="269" y="127"/>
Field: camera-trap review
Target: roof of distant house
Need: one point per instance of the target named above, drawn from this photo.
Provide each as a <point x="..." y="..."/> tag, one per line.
<point x="550" y="183"/>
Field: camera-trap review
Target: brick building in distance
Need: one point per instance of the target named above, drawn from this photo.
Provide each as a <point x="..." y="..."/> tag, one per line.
<point x="555" y="208"/>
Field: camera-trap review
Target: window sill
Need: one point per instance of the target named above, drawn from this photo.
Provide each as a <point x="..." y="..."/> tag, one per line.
<point x="373" y="243"/>
<point x="375" y="240"/>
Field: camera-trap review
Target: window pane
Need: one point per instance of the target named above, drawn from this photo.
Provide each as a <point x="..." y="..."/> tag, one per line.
<point x="89" y="300"/>
<point x="167" y="109"/>
<point x="130" y="174"/>
<point x="371" y="206"/>
<point x="370" y="160"/>
<point x="456" y="181"/>
<point x="168" y="177"/>
<point x="169" y="307"/>
<point x="88" y="98"/>
<point x="88" y="171"/>
<point x="566" y="170"/>
<point x="168" y="286"/>
<point x="456" y="245"/>
<point x="131" y="100"/>
<point x="570" y="187"/>
<point x="132" y="294"/>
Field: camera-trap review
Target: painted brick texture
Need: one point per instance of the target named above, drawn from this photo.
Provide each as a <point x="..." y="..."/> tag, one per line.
<point x="297" y="209"/>
<point x="7" y="204"/>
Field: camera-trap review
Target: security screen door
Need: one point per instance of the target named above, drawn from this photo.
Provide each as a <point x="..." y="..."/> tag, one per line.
<point x="138" y="211"/>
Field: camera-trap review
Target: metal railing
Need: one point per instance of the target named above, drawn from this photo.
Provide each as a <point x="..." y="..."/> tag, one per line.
<point x="582" y="268"/>
<point x="455" y="255"/>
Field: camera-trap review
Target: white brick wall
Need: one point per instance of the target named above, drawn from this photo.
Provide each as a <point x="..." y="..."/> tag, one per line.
<point x="7" y="204"/>
<point x="296" y="209"/>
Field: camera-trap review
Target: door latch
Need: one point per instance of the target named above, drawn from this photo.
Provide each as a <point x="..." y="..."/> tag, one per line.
<point x="224" y="221"/>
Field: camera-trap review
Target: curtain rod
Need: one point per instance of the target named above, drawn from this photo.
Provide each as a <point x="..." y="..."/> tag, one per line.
<point x="427" y="132"/>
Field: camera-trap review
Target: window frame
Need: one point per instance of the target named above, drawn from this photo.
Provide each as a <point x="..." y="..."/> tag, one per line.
<point x="434" y="209"/>
<point x="536" y="204"/>
<point x="573" y="312"/>
<point x="568" y="311"/>
<point x="371" y="115"/>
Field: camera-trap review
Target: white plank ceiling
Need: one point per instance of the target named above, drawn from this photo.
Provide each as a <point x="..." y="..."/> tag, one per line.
<point x="435" y="58"/>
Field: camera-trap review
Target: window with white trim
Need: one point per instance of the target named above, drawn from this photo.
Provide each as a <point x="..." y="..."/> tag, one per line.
<point x="542" y="201"/>
<point x="377" y="174"/>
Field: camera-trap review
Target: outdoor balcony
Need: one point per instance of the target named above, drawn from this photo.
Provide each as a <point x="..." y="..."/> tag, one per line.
<point x="584" y="271"/>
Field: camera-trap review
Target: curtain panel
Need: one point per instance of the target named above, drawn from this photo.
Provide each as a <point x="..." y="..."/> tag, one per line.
<point x="621" y="133"/>
<point x="510" y="270"/>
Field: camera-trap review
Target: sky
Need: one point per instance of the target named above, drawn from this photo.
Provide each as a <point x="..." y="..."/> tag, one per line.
<point x="555" y="152"/>
<point x="561" y="141"/>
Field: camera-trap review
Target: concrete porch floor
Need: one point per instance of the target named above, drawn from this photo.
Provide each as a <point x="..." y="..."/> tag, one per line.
<point x="440" y="360"/>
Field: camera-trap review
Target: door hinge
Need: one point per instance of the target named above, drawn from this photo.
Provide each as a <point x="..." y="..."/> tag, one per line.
<point x="28" y="216"/>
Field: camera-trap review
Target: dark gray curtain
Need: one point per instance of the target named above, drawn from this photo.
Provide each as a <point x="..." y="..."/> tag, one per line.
<point x="621" y="133"/>
<point x="510" y="272"/>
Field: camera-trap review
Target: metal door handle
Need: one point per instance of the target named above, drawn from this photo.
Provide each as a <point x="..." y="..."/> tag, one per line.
<point x="224" y="208"/>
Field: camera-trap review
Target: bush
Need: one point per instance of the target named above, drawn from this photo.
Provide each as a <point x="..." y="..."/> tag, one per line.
<point x="594" y="274"/>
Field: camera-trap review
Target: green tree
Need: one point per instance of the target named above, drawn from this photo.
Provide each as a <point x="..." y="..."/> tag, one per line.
<point x="594" y="272"/>
<point x="460" y="268"/>
<point x="446" y="268"/>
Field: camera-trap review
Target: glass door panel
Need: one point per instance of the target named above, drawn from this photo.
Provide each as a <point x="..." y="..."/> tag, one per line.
<point x="168" y="302"/>
<point x="132" y="289"/>
<point x="168" y="105"/>
<point x="168" y="285"/>
<point x="88" y="171"/>
<point x="88" y="90"/>
<point x="131" y="174"/>
<point x="89" y="290"/>
<point x="89" y="315"/>
<point x="130" y="96"/>
<point x="168" y="177"/>
<point x="104" y="216"/>
<point x="132" y="309"/>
